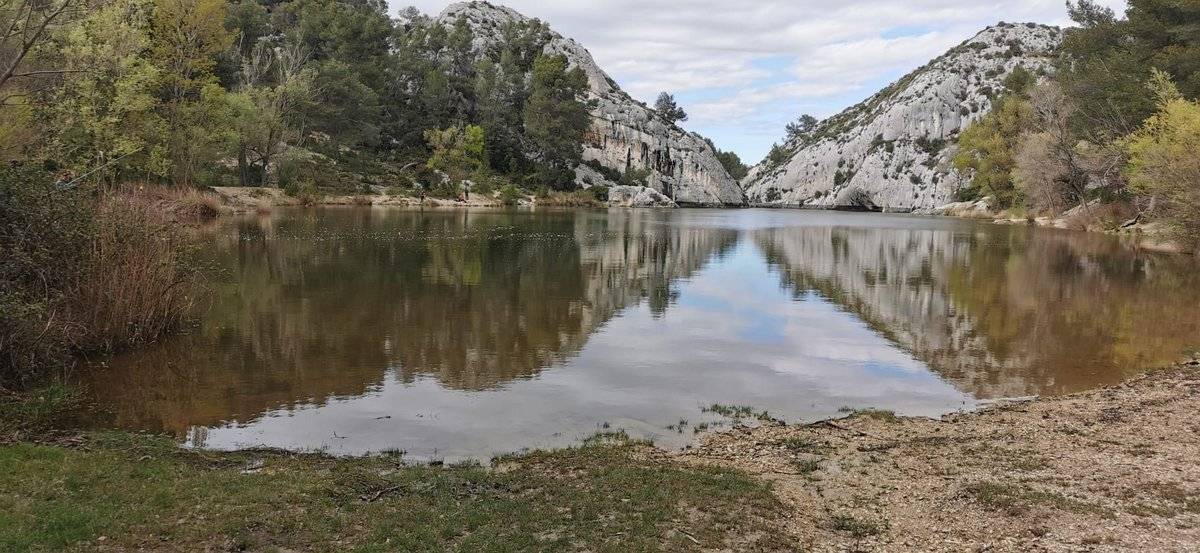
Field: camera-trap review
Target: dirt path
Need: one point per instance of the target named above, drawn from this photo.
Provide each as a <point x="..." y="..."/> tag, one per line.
<point x="1110" y="470"/>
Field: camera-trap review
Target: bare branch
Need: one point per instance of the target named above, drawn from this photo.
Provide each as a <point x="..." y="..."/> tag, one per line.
<point x="31" y="40"/>
<point x="47" y="72"/>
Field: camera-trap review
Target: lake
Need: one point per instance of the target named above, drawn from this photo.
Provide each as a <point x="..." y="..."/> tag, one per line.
<point x="453" y="335"/>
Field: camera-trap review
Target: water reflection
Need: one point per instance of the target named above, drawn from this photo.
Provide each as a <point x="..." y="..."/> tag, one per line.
<point x="1002" y="312"/>
<point x="466" y="333"/>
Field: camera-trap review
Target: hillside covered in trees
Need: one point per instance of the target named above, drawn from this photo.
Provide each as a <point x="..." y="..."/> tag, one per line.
<point x="1113" y="135"/>
<point x="296" y="94"/>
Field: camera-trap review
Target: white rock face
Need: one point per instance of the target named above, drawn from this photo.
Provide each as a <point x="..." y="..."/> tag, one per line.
<point x="893" y="151"/>
<point x="638" y="196"/>
<point x="625" y="134"/>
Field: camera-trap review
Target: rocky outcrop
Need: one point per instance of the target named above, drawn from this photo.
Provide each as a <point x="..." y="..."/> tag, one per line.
<point x="625" y="135"/>
<point x="892" y="152"/>
<point x="638" y="196"/>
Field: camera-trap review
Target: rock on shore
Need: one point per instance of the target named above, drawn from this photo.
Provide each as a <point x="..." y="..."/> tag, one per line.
<point x="637" y="196"/>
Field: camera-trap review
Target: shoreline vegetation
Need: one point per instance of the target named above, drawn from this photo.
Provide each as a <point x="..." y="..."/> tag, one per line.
<point x="1104" y="219"/>
<point x="92" y="270"/>
<point x="113" y="123"/>
<point x="1107" y="470"/>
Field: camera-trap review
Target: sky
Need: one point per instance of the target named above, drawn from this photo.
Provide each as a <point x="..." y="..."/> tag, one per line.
<point x="743" y="69"/>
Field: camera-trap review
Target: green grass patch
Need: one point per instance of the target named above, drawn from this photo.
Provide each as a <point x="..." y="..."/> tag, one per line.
<point x="1017" y="500"/>
<point x="807" y="466"/>
<point x="36" y="412"/>
<point x="801" y="445"/>
<point x="877" y="414"/>
<point x="739" y="412"/>
<point x="145" y="493"/>
<point x="857" y="527"/>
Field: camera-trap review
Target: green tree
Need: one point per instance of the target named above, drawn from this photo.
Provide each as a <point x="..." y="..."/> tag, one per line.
<point x="556" y="118"/>
<point x="1106" y="60"/>
<point x="801" y="127"/>
<point x="276" y="88"/>
<point x="778" y="155"/>
<point x="187" y="36"/>
<point x="348" y="49"/>
<point x="457" y="151"/>
<point x="732" y="164"/>
<point x="108" y="112"/>
<point x="27" y="26"/>
<point x="501" y="90"/>
<point x="987" y="150"/>
<point x="668" y="109"/>
<point x="1163" y="160"/>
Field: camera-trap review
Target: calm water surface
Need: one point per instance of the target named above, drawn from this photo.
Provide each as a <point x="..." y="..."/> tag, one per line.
<point x="462" y="334"/>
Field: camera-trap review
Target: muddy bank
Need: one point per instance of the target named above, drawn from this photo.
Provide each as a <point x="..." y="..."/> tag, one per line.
<point x="1109" y="470"/>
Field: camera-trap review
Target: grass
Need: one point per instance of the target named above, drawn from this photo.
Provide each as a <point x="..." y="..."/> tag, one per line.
<point x="801" y="445"/>
<point x="136" y="492"/>
<point x="575" y="198"/>
<point x="856" y="527"/>
<point x="877" y="414"/>
<point x="738" y="412"/>
<point x="36" y="412"/>
<point x="807" y="466"/>
<point x="1015" y="500"/>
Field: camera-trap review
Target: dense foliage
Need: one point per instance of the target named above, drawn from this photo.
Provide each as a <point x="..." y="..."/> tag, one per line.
<point x="1165" y="159"/>
<point x="256" y="92"/>
<point x="84" y="271"/>
<point x="1112" y="126"/>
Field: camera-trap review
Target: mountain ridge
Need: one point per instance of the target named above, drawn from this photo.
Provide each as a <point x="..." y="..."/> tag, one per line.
<point x="892" y="151"/>
<point x="625" y="134"/>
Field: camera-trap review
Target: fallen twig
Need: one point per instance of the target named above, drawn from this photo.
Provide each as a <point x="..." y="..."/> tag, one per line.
<point x="832" y="424"/>
<point x="379" y="494"/>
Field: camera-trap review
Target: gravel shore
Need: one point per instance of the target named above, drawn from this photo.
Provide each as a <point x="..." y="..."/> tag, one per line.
<point x="1109" y="470"/>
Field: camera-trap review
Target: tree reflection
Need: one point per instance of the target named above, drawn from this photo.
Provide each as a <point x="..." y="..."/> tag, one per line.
<point x="321" y="304"/>
<point x="1002" y="312"/>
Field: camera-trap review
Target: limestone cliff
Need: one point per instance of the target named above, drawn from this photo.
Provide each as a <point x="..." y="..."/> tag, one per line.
<point x="893" y="151"/>
<point x="625" y="134"/>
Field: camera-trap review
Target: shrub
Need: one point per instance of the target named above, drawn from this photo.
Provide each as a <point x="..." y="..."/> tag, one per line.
<point x="636" y="177"/>
<point x="509" y="195"/>
<point x="305" y="191"/>
<point x="44" y="235"/>
<point x="84" y="271"/>
<point x="177" y="203"/>
<point x="931" y="146"/>
<point x="577" y="198"/>
<point x="140" y="279"/>
<point x="1163" y="162"/>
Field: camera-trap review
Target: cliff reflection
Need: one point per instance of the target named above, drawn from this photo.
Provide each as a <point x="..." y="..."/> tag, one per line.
<point x="319" y="305"/>
<point x="1002" y="312"/>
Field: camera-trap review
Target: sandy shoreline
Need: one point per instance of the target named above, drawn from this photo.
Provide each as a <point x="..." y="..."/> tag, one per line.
<point x="1108" y="470"/>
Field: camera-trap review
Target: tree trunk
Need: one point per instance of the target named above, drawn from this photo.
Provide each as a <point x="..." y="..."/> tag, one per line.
<point x="243" y="170"/>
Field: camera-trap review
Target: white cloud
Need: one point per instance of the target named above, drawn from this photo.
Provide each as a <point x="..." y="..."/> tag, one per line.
<point x="744" y="68"/>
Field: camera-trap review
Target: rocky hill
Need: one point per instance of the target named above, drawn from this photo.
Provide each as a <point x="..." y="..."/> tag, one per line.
<point x="625" y="135"/>
<point x="893" y="151"/>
